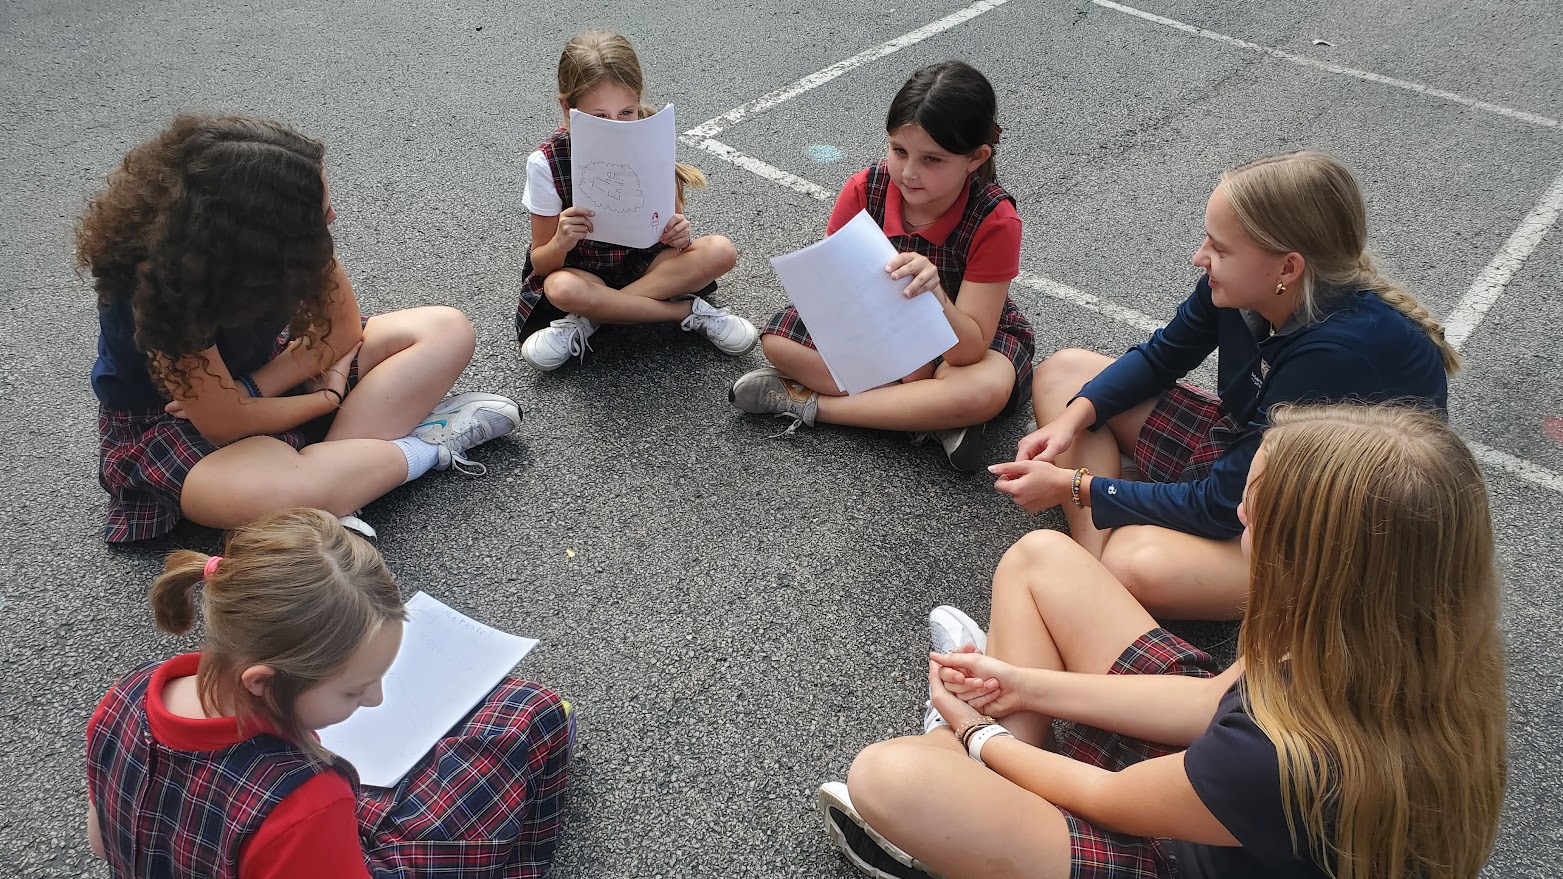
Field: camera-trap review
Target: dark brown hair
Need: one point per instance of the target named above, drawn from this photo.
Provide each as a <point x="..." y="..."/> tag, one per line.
<point x="955" y="104"/>
<point x="218" y="221"/>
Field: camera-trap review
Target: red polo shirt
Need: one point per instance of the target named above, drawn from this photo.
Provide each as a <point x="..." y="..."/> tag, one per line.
<point x="995" y="249"/>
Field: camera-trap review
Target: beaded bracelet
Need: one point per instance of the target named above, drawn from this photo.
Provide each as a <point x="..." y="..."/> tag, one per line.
<point x="1074" y="486"/>
<point x="249" y="384"/>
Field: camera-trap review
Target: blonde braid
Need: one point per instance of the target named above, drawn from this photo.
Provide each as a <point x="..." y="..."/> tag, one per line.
<point x="1410" y="307"/>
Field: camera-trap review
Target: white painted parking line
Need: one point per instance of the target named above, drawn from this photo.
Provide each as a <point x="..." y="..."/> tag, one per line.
<point x="758" y="168"/>
<point x="1305" y="61"/>
<point x="1494" y="279"/>
<point x="1066" y="293"/>
<point x="717" y="125"/>
<point x="1514" y="466"/>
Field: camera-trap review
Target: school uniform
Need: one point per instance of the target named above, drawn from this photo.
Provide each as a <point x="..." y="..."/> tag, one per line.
<point x="182" y="797"/>
<point x="144" y="454"/>
<point x="1195" y="448"/>
<point x="1233" y="767"/>
<point x="548" y="193"/>
<point x="977" y="239"/>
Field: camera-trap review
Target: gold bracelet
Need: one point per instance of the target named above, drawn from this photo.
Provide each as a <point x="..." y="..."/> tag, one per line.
<point x="1074" y="486"/>
<point x="970" y="724"/>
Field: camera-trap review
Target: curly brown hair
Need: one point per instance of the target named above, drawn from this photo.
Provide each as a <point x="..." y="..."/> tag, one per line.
<point x="217" y="222"/>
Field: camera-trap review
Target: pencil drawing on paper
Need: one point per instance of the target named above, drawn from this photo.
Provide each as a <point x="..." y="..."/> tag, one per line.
<point x="613" y="187"/>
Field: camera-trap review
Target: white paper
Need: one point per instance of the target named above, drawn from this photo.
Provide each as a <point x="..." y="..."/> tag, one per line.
<point x="868" y="333"/>
<point x="447" y="664"/>
<point x="623" y="172"/>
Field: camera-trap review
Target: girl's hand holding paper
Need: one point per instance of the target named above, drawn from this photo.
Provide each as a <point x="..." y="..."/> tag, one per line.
<point x="677" y="232"/>
<point x="924" y="275"/>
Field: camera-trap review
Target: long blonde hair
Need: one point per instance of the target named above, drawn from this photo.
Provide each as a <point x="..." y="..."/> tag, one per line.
<point x="592" y="58"/>
<point x="1374" y="661"/>
<point x="1309" y="203"/>
<point x="294" y="591"/>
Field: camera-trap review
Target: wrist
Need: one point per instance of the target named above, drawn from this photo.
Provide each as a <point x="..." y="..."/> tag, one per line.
<point x="981" y="737"/>
<point x="247" y="382"/>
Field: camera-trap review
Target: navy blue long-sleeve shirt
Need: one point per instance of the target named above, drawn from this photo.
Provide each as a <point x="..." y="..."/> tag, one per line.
<point x="1359" y="349"/>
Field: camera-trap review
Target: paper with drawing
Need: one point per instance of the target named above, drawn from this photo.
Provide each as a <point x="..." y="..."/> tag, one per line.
<point x="623" y="172"/>
<point x="447" y="664"/>
<point x="867" y="332"/>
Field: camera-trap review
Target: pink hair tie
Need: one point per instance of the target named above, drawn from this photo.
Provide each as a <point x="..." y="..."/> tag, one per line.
<point x="211" y="566"/>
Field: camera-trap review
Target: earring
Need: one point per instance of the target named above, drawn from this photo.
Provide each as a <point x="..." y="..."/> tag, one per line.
<point x="1279" y="288"/>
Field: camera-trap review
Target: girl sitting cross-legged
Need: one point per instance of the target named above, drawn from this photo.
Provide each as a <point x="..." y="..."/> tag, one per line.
<point x="1359" y="735"/>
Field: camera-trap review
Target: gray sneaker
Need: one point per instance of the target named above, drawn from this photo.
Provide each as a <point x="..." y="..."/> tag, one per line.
<point x="962" y="445"/>
<point x="767" y="392"/>
<point x="462" y="421"/>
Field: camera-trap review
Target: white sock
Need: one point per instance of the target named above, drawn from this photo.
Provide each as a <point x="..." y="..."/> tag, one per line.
<point x="421" y="456"/>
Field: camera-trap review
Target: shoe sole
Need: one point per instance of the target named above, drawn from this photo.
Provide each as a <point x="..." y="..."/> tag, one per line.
<point x="739" y="353"/>
<point x="538" y="366"/>
<point x="965" y="623"/>
<point x="830" y="805"/>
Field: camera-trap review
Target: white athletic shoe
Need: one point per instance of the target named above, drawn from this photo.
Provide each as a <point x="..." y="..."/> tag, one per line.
<point x="352" y="523"/>
<point x="949" y="630"/>
<point x="730" y="333"/>
<point x="463" y="421"/>
<point x="552" y="347"/>
<point x="860" y="844"/>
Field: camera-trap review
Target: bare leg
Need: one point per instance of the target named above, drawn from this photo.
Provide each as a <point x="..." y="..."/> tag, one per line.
<point x="239" y="483"/>
<point x="1055" y="606"/>
<point x="800" y="363"/>
<point x="672" y="273"/>
<point x="1058" y="380"/>
<point x="955" y="815"/>
<point x="1179" y="576"/>
<point x="956" y="396"/>
<point x="409" y="361"/>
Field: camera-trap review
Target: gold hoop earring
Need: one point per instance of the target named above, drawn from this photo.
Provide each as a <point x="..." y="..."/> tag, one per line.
<point x="1280" y="288"/>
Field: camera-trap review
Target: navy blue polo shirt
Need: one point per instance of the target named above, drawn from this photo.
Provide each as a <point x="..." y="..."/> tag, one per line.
<point x="120" y="378"/>
<point x="1359" y="349"/>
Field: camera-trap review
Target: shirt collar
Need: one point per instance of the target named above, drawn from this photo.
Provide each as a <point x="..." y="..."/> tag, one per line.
<point x="186" y="733"/>
<point x="936" y="234"/>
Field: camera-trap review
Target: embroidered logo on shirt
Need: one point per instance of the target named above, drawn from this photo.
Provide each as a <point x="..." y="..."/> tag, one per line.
<point x="1112" y="489"/>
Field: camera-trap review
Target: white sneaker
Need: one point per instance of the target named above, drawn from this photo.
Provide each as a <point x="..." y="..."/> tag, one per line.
<point x="730" y="333"/>
<point x="860" y="843"/>
<point x="949" y="630"/>
<point x="463" y="421"/>
<point x="352" y="523"/>
<point x="552" y="347"/>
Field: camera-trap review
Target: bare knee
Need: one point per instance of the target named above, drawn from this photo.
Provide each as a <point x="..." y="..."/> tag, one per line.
<point x="446" y="327"/>
<point x="983" y="402"/>
<point x="1136" y="558"/>
<point x="1039" y="548"/>
<point x="717" y="253"/>
<point x="1035" y="553"/>
<point x="1060" y="377"/>
<point x="568" y="292"/>
<point x="884" y="777"/>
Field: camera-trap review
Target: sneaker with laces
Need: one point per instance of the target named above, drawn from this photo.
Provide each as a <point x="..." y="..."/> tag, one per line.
<point x="860" y="844"/>
<point x="463" y="421"/>
<point x="730" y="333"/>
<point x="962" y="445"/>
<point x="767" y="392"/>
<point x="553" y="346"/>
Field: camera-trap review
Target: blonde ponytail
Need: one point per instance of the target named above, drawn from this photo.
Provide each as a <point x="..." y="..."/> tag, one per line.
<point x="173" y="592"/>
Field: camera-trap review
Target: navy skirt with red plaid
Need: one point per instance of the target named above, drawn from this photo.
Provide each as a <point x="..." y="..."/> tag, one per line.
<point x="1183" y="436"/>
<point x="1014" y="339"/>
<point x="486" y="802"/>
<point x="1098" y="853"/>
<point x="144" y="456"/>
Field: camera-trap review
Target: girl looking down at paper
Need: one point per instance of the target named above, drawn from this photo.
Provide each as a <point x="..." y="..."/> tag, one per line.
<point x="577" y="284"/>
<point x="1297" y="311"/>
<point x="936" y="198"/>
<point x="1359" y="735"/>
<point x="207" y="764"/>
<point x="235" y="374"/>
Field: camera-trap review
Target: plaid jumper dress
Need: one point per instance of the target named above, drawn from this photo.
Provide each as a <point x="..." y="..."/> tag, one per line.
<point x="616" y="265"/>
<point x="1013" y="338"/>
<point x="175" y="814"/>
<point x="485" y="803"/>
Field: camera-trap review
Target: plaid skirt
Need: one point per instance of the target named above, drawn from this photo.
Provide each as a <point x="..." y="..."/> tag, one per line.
<point x="1097" y="853"/>
<point x="1014" y="339"/>
<point x="626" y="265"/>
<point x="486" y="802"/>
<point x="1183" y="436"/>
<point x="144" y="456"/>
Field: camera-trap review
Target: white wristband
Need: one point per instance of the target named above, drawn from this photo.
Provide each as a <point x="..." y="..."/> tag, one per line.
<point x="974" y="745"/>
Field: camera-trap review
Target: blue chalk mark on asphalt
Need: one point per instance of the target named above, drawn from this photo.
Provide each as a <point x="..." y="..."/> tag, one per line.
<point x="822" y="153"/>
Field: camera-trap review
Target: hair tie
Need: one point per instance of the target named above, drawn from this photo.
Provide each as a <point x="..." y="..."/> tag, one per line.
<point x="211" y="567"/>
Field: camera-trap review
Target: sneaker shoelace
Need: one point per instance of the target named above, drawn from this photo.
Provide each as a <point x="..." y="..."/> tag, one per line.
<point x="797" y="422"/>
<point x="575" y="335"/>
<point x="707" y="320"/>
<point x="485" y="426"/>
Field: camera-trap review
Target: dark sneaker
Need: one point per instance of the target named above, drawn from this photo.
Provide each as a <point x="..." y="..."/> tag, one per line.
<point x="859" y="843"/>
<point x="962" y="445"/>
